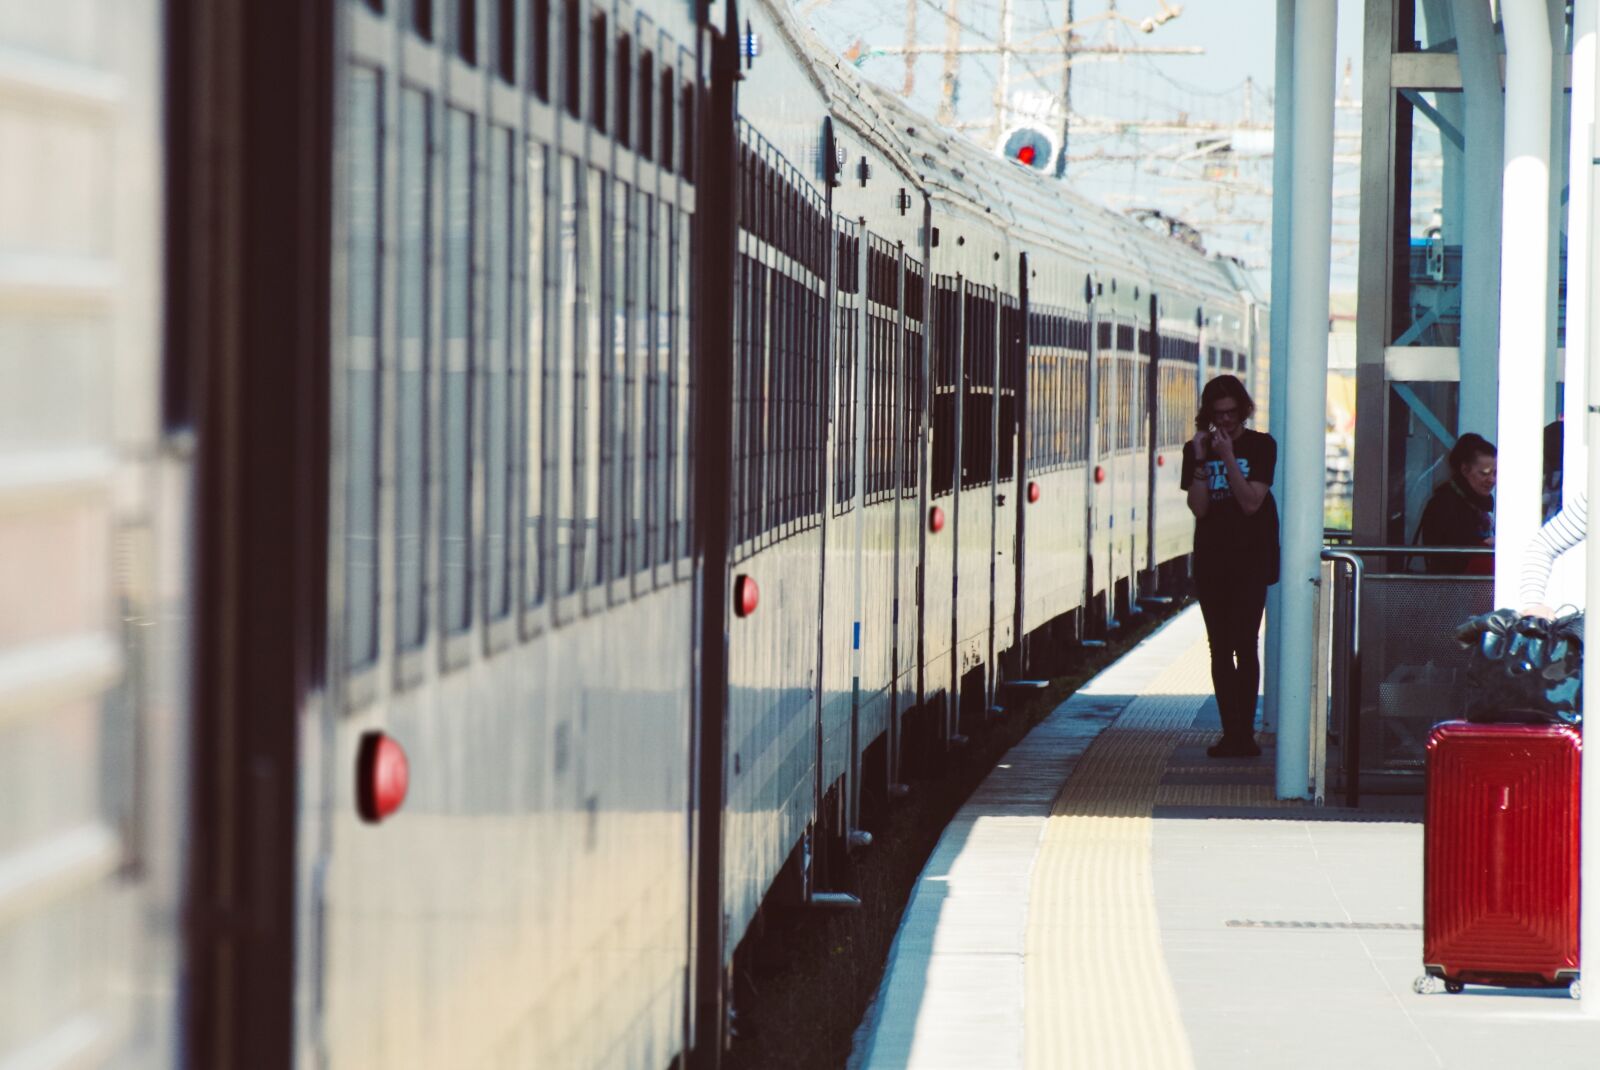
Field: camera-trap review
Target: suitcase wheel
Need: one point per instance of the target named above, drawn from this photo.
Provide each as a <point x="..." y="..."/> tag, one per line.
<point x="1453" y="987"/>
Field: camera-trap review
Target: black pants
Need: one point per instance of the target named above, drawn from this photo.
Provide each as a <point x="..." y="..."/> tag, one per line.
<point x="1232" y="609"/>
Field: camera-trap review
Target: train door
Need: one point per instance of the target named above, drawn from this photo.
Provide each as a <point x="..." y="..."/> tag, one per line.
<point x="976" y="505"/>
<point x="909" y="531"/>
<point x="1094" y="419"/>
<point x="94" y="511"/>
<point x="944" y="463"/>
<point x="840" y="534"/>
<point x="1152" y="430"/>
<point x="1007" y="501"/>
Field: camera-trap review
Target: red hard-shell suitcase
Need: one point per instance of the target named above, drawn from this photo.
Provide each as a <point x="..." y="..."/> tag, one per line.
<point x="1500" y="880"/>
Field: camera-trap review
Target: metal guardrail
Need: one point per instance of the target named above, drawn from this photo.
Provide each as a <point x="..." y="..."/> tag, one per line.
<point x="1354" y="561"/>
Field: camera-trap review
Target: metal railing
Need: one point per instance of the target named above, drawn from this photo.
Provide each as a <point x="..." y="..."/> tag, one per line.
<point x="1394" y="662"/>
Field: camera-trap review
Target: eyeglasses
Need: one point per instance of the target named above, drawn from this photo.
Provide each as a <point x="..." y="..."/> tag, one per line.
<point x="1230" y="411"/>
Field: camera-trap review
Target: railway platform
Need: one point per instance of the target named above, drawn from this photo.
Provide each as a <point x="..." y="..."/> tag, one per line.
<point x="1110" y="897"/>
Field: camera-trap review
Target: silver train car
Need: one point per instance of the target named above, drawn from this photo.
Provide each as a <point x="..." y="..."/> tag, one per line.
<point x="493" y="485"/>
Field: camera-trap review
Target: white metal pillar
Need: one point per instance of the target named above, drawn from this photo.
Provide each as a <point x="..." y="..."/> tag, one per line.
<point x="1524" y="297"/>
<point x="1483" y="113"/>
<point x="1278" y="331"/>
<point x="1556" y="19"/>
<point x="1583" y="300"/>
<point x="1580" y="239"/>
<point x="1300" y="453"/>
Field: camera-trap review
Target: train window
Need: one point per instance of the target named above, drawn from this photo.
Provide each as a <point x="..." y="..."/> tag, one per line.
<point x="757" y="394"/>
<point x="364" y="204"/>
<point x="624" y="107"/>
<point x="572" y="59"/>
<point x="455" y="552"/>
<point x="537" y="454"/>
<point x="597" y="70"/>
<point x="591" y="516"/>
<point x="411" y="416"/>
<point x="564" y="519"/>
<point x="844" y="453"/>
<point x="467" y="30"/>
<point x="635" y="267"/>
<point x="647" y="104"/>
<point x="539" y="35"/>
<point x="653" y="340"/>
<point x="946" y="342"/>
<point x="667" y="82"/>
<point x="682" y="387"/>
<point x="1011" y="355"/>
<point x="978" y="415"/>
<point x="422" y="17"/>
<point x="610" y="356"/>
<point x="1240" y="369"/>
<point x="911" y="382"/>
<point x="505" y="40"/>
<point x="687" y="137"/>
<point x="497" y="391"/>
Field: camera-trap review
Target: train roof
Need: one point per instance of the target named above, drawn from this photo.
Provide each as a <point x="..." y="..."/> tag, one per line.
<point x="961" y="175"/>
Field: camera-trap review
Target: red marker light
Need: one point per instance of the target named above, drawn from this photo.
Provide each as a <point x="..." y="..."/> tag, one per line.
<point x="382" y="776"/>
<point x="936" y="520"/>
<point x="746" y="596"/>
<point x="1161" y="460"/>
<point x="1033" y="492"/>
<point x="1026" y="154"/>
<point x="1099" y="474"/>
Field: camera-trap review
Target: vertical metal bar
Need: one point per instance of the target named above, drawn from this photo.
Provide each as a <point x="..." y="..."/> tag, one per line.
<point x="717" y="230"/>
<point x="1278" y="326"/>
<point x="1589" y="814"/>
<point x="1092" y="410"/>
<point x="1524" y="271"/>
<point x="1020" y="463"/>
<point x="953" y="707"/>
<point x="862" y="370"/>
<point x="1302" y="451"/>
<point x="899" y="421"/>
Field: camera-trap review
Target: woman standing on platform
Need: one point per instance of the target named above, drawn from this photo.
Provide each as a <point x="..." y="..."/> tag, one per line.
<point x="1227" y="472"/>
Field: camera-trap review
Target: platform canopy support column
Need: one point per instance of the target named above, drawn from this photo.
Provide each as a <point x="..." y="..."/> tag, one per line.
<point x="1524" y="291"/>
<point x="1586" y="172"/>
<point x="1278" y="331"/>
<point x="1301" y="456"/>
<point x="1580" y="246"/>
<point x="1484" y="116"/>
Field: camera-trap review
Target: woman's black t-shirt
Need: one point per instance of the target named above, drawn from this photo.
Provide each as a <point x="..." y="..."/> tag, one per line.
<point x="1227" y="542"/>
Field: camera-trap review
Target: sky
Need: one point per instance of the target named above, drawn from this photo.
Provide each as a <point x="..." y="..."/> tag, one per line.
<point x="1227" y="197"/>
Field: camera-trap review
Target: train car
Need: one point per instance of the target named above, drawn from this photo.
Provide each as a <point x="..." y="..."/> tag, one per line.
<point x="96" y="485"/>
<point x="508" y="480"/>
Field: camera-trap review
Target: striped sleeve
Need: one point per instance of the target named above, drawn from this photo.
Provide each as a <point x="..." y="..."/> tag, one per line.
<point x="1564" y="531"/>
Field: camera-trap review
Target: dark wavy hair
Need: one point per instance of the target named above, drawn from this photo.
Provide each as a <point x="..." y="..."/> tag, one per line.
<point x="1223" y="386"/>
<point x="1468" y="448"/>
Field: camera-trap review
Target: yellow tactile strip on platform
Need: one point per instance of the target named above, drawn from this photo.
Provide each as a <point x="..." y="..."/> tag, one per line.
<point x="1097" y="989"/>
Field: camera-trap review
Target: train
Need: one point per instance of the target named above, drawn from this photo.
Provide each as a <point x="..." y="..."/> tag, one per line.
<point x="490" y="485"/>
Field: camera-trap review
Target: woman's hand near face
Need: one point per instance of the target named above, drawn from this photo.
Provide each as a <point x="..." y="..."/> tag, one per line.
<point x="1200" y="444"/>
<point x="1222" y="442"/>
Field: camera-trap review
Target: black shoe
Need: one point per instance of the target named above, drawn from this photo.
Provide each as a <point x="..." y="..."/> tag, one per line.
<point x="1233" y="748"/>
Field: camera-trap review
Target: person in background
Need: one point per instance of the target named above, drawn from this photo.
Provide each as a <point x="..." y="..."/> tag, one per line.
<point x="1460" y="511"/>
<point x="1227" y="473"/>
<point x="1564" y="531"/>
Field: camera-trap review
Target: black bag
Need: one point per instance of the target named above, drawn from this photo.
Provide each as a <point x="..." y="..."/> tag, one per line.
<point x="1525" y="669"/>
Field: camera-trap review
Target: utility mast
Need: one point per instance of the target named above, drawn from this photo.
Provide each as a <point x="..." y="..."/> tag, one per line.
<point x="1101" y="37"/>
